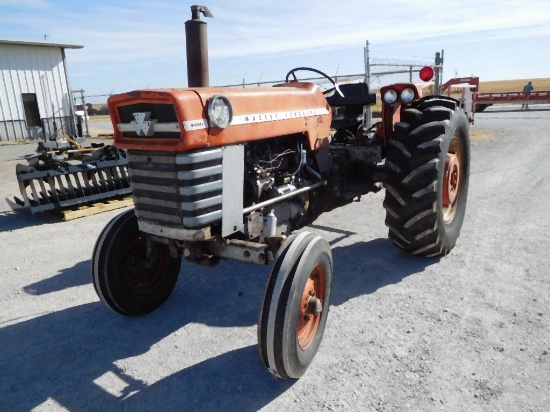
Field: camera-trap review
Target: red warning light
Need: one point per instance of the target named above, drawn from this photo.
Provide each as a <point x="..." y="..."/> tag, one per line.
<point x="426" y="73"/>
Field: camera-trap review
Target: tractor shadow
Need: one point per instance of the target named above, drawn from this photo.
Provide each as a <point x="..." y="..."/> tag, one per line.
<point x="78" y="275"/>
<point x="234" y="381"/>
<point x="342" y="234"/>
<point x="364" y="267"/>
<point x="63" y="355"/>
<point x="10" y="221"/>
<point x="231" y="293"/>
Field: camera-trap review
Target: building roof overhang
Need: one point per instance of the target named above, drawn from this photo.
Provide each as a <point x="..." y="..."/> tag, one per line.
<point x="40" y="44"/>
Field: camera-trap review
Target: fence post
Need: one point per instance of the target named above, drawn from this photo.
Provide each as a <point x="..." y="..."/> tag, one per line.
<point x="438" y="72"/>
<point x="367" y="111"/>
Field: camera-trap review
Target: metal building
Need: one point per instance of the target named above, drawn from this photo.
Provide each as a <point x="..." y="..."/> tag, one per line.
<point x="35" y="94"/>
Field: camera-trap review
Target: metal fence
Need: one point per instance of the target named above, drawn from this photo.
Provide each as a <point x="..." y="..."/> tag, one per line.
<point x="381" y="74"/>
<point x="377" y="73"/>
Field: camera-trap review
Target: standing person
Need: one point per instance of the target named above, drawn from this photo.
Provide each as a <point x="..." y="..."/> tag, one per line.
<point x="528" y="88"/>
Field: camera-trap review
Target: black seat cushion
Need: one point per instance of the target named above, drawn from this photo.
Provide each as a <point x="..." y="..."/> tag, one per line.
<point x="354" y="93"/>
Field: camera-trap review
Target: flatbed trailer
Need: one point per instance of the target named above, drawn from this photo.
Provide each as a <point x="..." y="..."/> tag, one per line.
<point x="484" y="100"/>
<point x="511" y="97"/>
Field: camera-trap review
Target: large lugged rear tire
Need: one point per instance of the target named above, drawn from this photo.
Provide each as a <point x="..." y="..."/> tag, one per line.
<point x="427" y="173"/>
<point x="124" y="279"/>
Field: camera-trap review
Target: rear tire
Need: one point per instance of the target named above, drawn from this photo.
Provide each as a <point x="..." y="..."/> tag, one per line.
<point x="122" y="276"/>
<point x="295" y="306"/>
<point x="427" y="173"/>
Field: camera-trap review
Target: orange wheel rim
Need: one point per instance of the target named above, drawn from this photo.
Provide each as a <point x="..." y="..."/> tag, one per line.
<point x="311" y="304"/>
<point x="143" y="278"/>
<point x="452" y="179"/>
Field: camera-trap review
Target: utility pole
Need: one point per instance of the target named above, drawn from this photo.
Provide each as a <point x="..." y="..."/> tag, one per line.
<point x="367" y="111"/>
<point x="438" y="72"/>
<point x="367" y="63"/>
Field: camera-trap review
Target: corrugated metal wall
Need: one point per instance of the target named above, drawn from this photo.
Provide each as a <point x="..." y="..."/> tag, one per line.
<point x="38" y="70"/>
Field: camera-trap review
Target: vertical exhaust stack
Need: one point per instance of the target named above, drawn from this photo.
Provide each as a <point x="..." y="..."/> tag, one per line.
<point x="197" y="48"/>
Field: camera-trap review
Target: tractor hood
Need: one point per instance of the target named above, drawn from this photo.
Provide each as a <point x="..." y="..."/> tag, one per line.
<point x="192" y="118"/>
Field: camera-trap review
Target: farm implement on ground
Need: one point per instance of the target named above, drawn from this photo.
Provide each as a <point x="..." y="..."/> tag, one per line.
<point x="68" y="176"/>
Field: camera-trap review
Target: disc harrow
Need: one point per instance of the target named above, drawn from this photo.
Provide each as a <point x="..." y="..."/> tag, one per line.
<point x="48" y="183"/>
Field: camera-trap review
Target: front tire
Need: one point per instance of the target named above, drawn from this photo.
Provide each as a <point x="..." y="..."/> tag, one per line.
<point x="295" y="306"/>
<point x="427" y="174"/>
<point x="124" y="279"/>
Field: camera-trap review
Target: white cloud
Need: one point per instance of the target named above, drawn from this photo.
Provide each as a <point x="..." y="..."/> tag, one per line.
<point x="33" y="4"/>
<point x="291" y="28"/>
<point x="141" y="31"/>
<point x="129" y="36"/>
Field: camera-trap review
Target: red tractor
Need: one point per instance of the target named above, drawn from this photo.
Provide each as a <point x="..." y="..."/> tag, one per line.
<point x="233" y="173"/>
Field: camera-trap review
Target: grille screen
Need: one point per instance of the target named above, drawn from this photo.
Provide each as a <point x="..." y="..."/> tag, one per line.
<point x="182" y="190"/>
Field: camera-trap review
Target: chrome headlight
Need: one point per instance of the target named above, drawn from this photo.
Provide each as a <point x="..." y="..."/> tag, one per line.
<point x="220" y="112"/>
<point x="407" y="95"/>
<point x="390" y="97"/>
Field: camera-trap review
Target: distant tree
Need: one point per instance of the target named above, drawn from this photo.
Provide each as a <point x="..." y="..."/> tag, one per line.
<point x="103" y="110"/>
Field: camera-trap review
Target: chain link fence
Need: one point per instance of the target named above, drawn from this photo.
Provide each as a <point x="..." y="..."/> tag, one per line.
<point x="382" y="73"/>
<point x="385" y="73"/>
<point x="379" y="73"/>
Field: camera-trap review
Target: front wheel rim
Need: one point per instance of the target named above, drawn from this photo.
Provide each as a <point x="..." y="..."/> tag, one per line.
<point x="144" y="276"/>
<point x="311" y="307"/>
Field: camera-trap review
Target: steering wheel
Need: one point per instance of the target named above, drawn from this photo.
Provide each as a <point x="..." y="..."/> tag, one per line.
<point x="310" y="69"/>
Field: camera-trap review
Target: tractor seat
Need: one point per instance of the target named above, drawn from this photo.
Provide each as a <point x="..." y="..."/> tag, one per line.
<point x="354" y="94"/>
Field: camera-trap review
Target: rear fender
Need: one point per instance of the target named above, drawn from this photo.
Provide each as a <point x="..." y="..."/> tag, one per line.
<point x="391" y="113"/>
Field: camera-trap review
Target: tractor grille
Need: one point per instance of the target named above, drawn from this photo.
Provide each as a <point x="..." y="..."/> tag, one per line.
<point x="178" y="190"/>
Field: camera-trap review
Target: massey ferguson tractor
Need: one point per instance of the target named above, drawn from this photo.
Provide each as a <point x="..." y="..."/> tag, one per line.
<point x="233" y="173"/>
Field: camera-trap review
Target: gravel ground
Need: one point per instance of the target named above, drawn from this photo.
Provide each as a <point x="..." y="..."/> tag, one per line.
<point x="466" y="332"/>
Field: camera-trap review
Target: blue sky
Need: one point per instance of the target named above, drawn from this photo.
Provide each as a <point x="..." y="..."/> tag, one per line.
<point x="141" y="44"/>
